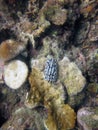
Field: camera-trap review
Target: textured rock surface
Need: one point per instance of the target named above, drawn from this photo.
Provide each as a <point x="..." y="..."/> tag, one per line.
<point x="71" y="76"/>
<point x="10" y="49"/>
<point x="56" y="15"/>
<point x="15" y="74"/>
<point x="60" y="115"/>
<point x="87" y="118"/>
<point x="76" y="100"/>
<point x="92" y="66"/>
<point x="53" y="46"/>
<point x="24" y="118"/>
<point x="38" y="63"/>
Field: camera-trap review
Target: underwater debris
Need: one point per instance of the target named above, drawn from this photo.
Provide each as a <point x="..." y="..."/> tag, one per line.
<point x="60" y="116"/>
<point x="51" y="70"/>
<point x="15" y="74"/>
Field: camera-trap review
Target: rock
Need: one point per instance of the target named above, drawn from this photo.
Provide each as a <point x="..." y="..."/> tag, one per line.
<point x="92" y="88"/>
<point x="8" y="102"/>
<point x="76" y="100"/>
<point x="87" y="118"/>
<point x="23" y="119"/>
<point x="15" y="74"/>
<point x="10" y="49"/>
<point x="92" y="66"/>
<point x="43" y="24"/>
<point x="53" y="46"/>
<point x="54" y="13"/>
<point x="59" y="17"/>
<point x="71" y="76"/>
<point x="60" y="116"/>
<point x="93" y="33"/>
<point x="38" y="63"/>
<point x="1" y="71"/>
<point x="88" y="8"/>
<point x="82" y="32"/>
<point x="76" y="55"/>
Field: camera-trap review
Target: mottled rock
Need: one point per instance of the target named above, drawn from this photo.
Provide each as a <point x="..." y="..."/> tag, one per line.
<point x="71" y="76"/>
<point x="10" y="49"/>
<point x="92" y="66"/>
<point x="93" y="33"/>
<point x="60" y="116"/>
<point x="38" y="63"/>
<point x="54" y="13"/>
<point x="15" y="74"/>
<point x="76" y="55"/>
<point x="87" y="118"/>
<point x="59" y="17"/>
<point x="75" y="101"/>
<point x="24" y="118"/>
<point x="92" y="88"/>
<point x="8" y="101"/>
<point x="53" y="46"/>
<point x="88" y="8"/>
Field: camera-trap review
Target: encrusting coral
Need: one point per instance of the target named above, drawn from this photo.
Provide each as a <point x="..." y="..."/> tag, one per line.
<point x="60" y="115"/>
<point x="10" y="49"/>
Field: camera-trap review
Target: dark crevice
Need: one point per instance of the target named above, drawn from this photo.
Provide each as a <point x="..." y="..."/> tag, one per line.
<point x="6" y="34"/>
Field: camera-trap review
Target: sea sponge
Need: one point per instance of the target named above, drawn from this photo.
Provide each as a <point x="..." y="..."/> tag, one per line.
<point x="10" y="49"/>
<point x="15" y="74"/>
<point x="60" y="116"/>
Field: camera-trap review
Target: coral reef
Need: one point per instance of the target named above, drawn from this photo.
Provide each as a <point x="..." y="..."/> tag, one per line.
<point x="32" y="30"/>
<point x="71" y="90"/>
<point x="44" y="93"/>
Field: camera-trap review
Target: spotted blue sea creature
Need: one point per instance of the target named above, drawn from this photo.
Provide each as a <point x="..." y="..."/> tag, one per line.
<point x="51" y="70"/>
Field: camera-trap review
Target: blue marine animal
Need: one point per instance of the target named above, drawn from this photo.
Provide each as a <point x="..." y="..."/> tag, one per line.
<point x="51" y="70"/>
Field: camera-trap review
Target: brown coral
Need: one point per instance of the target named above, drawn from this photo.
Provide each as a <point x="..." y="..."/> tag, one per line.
<point x="9" y="49"/>
<point x="60" y="116"/>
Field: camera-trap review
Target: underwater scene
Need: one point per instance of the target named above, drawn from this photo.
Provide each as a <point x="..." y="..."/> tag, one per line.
<point x="48" y="64"/>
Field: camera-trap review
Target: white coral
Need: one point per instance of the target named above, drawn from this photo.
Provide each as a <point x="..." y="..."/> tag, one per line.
<point x="15" y="74"/>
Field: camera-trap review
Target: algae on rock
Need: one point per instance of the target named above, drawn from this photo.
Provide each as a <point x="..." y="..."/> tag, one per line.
<point x="60" y="115"/>
<point x="71" y="76"/>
